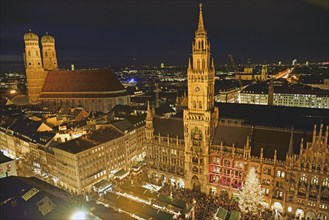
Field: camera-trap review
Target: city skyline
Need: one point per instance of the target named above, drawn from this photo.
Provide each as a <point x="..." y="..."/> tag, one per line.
<point x="98" y="34"/>
<point x="162" y="143"/>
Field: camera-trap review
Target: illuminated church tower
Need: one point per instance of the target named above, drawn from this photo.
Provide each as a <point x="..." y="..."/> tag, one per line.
<point x="35" y="74"/>
<point x="201" y="116"/>
<point x="49" y="52"/>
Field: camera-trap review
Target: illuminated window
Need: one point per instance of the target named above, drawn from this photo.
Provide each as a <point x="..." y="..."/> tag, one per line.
<point x="266" y="191"/>
<point x="278" y="173"/>
<point x="303" y="178"/>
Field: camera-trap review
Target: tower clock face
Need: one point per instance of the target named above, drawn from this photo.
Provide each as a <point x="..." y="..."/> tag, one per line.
<point x="197" y="89"/>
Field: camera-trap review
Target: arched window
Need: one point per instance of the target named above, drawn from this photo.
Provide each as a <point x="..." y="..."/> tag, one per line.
<point x="325" y="182"/>
<point x="200" y="104"/>
<point x="303" y="178"/>
<point x="315" y="181"/>
<point x="203" y="64"/>
<point x="36" y="52"/>
<point x="29" y="53"/>
<point x="46" y="54"/>
<point x="194" y="104"/>
<point x="198" y="64"/>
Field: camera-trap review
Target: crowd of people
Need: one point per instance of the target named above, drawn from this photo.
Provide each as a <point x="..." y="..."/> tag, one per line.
<point x="205" y="205"/>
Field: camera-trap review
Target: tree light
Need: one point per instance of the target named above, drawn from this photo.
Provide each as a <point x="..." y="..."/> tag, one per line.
<point x="79" y="215"/>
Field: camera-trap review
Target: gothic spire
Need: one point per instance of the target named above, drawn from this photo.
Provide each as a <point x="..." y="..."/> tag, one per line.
<point x="290" y="149"/>
<point x="200" y="29"/>
<point x="149" y="112"/>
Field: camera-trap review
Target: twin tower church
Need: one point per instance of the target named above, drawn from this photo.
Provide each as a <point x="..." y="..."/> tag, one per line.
<point x="95" y="90"/>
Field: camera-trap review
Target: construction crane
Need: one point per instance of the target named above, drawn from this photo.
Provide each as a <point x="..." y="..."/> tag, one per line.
<point x="235" y="70"/>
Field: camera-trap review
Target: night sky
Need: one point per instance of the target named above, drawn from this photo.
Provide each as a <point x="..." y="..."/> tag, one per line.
<point x="112" y="33"/>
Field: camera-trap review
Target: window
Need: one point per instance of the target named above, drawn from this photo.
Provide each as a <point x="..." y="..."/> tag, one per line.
<point x="280" y="194"/>
<point x="315" y="181"/>
<point x="303" y="178"/>
<point x="267" y="170"/>
<point x="278" y="173"/>
<point x="227" y="163"/>
<point x="267" y="191"/>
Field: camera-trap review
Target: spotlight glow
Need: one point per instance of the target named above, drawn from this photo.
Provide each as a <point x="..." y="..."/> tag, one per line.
<point x="79" y="215"/>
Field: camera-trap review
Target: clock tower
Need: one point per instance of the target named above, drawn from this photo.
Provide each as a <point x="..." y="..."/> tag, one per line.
<point x="201" y="116"/>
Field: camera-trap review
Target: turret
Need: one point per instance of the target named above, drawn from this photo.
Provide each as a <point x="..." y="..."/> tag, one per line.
<point x="301" y="147"/>
<point x="275" y="156"/>
<point x="189" y="66"/>
<point x="290" y="152"/>
<point x="149" y="122"/>
<point x="314" y="134"/>
<point x="149" y="116"/>
<point x="326" y="136"/>
<point x="32" y="51"/>
<point x="49" y="52"/>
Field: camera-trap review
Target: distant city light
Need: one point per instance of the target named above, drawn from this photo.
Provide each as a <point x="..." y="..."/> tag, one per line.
<point x="79" y="215"/>
<point x="13" y="91"/>
<point x="132" y="80"/>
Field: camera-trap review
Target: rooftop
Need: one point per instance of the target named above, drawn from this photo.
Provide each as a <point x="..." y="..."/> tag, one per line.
<point x="85" y="81"/>
<point x="4" y="159"/>
<point x="282" y="86"/>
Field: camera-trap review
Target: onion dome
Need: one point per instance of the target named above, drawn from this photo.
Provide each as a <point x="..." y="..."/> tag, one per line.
<point x="47" y="38"/>
<point x="30" y="36"/>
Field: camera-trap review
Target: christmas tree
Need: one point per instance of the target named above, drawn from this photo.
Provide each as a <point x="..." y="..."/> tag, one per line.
<point x="250" y="198"/>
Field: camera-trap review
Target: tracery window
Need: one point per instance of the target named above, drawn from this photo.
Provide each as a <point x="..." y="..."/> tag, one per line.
<point x="315" y="181"/>
<point x="303" y="178"/>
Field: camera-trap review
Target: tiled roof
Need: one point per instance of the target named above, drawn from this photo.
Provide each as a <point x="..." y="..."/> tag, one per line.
<point x="76" y="145"/>
<point x="172" y="126"/>
<point x="266" y="138"/>
<point x="100" y="80"/>
<point x="123" y="125"/>
<point x="136" y="120"/>
<point x="274" y="116"/>
<point x="271" y="140"/>
<point x="25" y="199"/>
<point x="230" y="135"/>
<point x="104" y="135"/>
<point x="25" y="127"/>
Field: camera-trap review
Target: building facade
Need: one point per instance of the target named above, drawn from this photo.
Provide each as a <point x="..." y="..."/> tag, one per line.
<point x="199" y="153"/>
<point x="72" y="164"/>
<point x="285" y="94"/>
